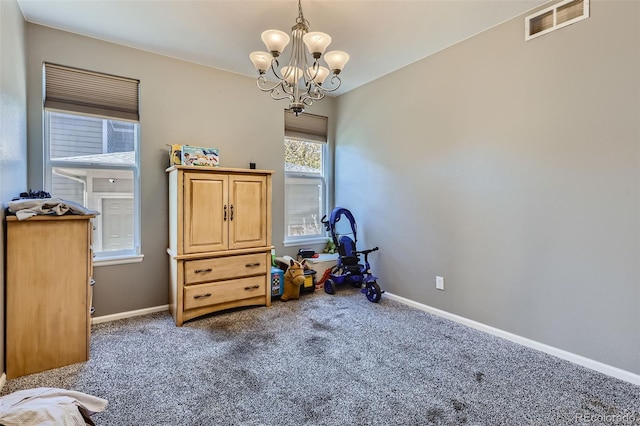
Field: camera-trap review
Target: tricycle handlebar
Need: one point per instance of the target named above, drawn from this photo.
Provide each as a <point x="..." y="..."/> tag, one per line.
<point x="368" y="251"/>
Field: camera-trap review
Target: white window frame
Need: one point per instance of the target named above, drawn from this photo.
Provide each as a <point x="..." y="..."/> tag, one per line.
<point x="101" y="258"/>
<point x="324" y="177"/>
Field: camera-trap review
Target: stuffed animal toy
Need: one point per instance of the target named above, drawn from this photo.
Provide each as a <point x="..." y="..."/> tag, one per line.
<point x="293" y="279"/>
<point x="330" y="247"/>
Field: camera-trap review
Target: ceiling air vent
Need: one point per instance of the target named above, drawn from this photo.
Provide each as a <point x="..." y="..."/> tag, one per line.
<point x="557" y="16"/>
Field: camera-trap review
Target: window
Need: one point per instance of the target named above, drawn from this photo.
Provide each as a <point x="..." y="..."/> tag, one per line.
<point x="92" y="156"/>
<point x="305" y="180"/>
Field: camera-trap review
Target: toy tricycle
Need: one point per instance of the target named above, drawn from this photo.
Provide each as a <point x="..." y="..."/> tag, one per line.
<point x="349" y="270"/>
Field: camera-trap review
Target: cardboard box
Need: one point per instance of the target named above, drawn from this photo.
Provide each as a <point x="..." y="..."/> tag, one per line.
<point x="187" y="155"/>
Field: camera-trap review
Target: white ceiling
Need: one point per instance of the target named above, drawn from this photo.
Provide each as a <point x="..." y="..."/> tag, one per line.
<point x="380" y="36"/>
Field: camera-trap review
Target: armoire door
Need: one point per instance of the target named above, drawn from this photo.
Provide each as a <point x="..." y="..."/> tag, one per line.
<point x="248" y="216"/>
<point x="206" y="212"/>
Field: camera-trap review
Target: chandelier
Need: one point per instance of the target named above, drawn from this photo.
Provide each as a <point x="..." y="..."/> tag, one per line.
<point x="298" y="82"/>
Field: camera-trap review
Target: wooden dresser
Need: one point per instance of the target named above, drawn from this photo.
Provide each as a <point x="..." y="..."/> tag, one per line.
<point x="219" y="239"/>
<point x="48" y="292"/>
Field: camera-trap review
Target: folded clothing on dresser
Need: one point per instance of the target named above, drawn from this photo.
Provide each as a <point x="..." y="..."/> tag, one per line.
<point x="25" y="208"/>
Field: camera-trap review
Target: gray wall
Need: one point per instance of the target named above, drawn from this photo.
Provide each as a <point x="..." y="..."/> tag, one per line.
<point x="180" y="103"/>
<point x="512" y="169"/>
<point x="13" y="123"/>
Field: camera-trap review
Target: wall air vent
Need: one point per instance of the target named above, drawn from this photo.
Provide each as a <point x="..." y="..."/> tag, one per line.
<point x="557" y="16"/>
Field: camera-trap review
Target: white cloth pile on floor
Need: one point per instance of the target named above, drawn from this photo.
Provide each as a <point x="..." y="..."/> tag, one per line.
<point x="49" y="406"/>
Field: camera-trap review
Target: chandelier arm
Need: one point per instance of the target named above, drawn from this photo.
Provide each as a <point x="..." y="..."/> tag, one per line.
<point x="312" y="95"/>
<point x="279" y="98"/>
<point x="315" y="67"/>
<point x="333" y="89"/>
<point x="261" y="81"/>
<point x="277" y="95"/>
<point x="274" y="91"/>
<point x="308" y="100"/>
<point x="285" y="94"/>
<point x="274" y="69"/>
<point x="316" y="95"/>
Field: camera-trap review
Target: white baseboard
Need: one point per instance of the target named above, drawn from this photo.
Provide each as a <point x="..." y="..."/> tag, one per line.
<point x="609" y="370"/>
<point x="129" y="314"/>
<point x="3" y="380"/>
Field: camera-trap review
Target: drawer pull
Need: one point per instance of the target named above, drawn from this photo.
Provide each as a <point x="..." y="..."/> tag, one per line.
<point x="225" y="212"/>
<point x="252" y="265"/>
<point x="231" y="218"/>
<point x="199" y="271"/>
<point x="92" y="282"/>
<point x="253" y="287"/>
<point x="202" y="296"/>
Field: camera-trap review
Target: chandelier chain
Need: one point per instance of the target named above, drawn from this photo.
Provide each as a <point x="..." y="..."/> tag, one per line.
<point x="300" y="19"/>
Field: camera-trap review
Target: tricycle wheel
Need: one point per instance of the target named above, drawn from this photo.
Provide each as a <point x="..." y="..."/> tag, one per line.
<point x="329" y="286"/>
<point x="373" y="292"/>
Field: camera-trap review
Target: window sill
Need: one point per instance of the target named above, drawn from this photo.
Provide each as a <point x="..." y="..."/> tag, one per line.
<point x="118" y="260"/>
<point x="306" y="241"/>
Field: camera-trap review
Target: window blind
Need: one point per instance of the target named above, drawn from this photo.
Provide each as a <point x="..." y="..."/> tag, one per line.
<point x="87" y="92"/>
<point x="306" y="126"/>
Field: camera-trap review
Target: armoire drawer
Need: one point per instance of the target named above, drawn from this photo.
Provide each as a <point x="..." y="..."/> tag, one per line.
<point x="199" y="295"/>
<point x="222" y="268"/>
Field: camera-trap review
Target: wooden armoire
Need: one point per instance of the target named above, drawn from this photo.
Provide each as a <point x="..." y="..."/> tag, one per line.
<point x="219" y="239"/>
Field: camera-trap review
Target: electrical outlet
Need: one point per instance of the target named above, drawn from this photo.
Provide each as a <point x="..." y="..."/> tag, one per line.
<point x="440" y="283"/>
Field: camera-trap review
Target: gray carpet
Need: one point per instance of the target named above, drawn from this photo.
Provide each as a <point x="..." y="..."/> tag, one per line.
<point x="331" y="360"/>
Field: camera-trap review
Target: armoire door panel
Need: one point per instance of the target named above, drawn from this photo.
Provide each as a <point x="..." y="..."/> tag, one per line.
<point x="247" y="228"/>
<point x="205" y="225"/>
